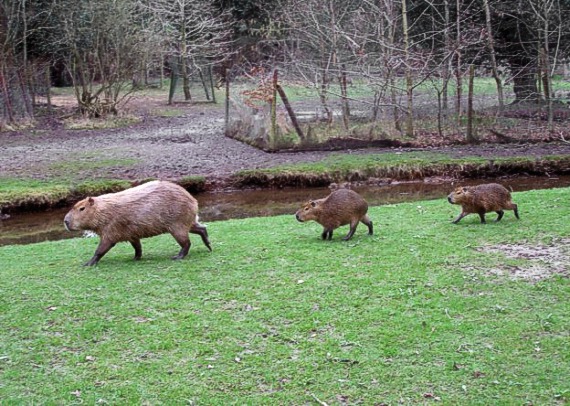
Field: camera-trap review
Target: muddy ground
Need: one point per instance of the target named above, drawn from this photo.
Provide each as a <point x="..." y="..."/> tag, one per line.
<point x="189" y="142"/>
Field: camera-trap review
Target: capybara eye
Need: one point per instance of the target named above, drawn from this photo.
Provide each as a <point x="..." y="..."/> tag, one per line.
<point x="82" y="208"/>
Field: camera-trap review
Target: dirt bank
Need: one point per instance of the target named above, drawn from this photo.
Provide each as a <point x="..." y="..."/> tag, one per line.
<point x="191" y="143"/>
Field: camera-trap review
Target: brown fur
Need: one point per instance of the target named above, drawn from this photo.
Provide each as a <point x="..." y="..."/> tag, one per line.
<point x="482" y="199"/>
<point x="147" y="210"/>
<point x="341" y="207"/>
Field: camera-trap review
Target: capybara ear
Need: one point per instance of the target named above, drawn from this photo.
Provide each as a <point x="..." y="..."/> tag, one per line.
<point x="91" y="201"/>
<point x="464" y="189"/>
<point x="313" y="204"/>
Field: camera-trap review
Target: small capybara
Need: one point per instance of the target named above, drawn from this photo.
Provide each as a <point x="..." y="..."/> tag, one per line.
<point x="482" y="199"/>
<point x="343" y="206"/>
<point x="153" y="208"/>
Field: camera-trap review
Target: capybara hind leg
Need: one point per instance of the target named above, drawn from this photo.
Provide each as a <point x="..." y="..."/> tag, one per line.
<point x="516" y="210"/>
<point x="202" y="232"/>
<point x="351" y="231"/>
<point x="366" y="221"/>
<point x="482" y="216"/>
<point x="184" y="241"/>
<point x="138" y="249"/>
<point x="103" y="247"/>
<point x="500" y="213"/>
<point x="461" y="215"/>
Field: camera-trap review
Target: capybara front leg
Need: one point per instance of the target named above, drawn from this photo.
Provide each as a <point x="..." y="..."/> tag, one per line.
<point x="184" y="241"/>
<point x="500" y="213"/>
<point x="516" y="210"/>
<point x="461" y="215"/>
<point x="482" y="216"/>
<point x="366" y="221"/>
<point x="327" y="234"/>
<point x="138" y="249"/>
<point x="103" y="247"/>
<point x="202" y="232"/>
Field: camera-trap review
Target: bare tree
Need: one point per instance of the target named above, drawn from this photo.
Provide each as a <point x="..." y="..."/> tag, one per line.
<point x="492" y="54"/>
<point x="321" y="34"/>
<point x="196" y="33"/>
<point x="101" y="45"/>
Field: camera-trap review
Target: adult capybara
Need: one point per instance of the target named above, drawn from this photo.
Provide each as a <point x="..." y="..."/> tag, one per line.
<point x="143" y="211"/>
<point x="343" y="206"/>
<point x="482" y="199"/>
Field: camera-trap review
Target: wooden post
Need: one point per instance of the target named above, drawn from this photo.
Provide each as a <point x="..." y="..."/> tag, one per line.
<point x="227" y="118"/>
<point x="212" y="88"/>
<point x="291" y="112"/>
<point x="173" y="79"/>
<point x="344" y="98"/>
<point x="48" y="89"/>
<point x="273" y="129"/>
<point x="204" y="85"/>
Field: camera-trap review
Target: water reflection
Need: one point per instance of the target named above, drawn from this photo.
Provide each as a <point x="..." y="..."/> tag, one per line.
<point x="26" y="228"/>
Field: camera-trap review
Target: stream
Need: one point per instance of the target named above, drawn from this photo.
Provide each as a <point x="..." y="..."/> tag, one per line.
<point x="28" y="228"/>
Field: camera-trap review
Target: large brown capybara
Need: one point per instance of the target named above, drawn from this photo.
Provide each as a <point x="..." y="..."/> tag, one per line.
<point x="482" y="199"/>
<point x="153" y="208"/>
<point x="341" y="207"/>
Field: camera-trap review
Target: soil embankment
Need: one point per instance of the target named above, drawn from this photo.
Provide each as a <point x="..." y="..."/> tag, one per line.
<point x="193" y="144"/>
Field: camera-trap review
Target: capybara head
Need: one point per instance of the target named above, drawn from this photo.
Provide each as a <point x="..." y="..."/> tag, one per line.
<point x="459" y="195"/>
<point x="81" y="216"/>
<point x="308" y="211"/>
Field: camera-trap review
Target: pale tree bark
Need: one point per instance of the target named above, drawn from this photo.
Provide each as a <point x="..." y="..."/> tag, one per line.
<point x="492" y="55"/>
<point x="447" y="67"/>
<point x="543" y="11"/>
<point x="458" y="61"/>
<point x="408" y="73"/>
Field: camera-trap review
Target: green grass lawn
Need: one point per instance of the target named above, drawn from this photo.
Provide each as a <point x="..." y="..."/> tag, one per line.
<point x="421" y="311"/>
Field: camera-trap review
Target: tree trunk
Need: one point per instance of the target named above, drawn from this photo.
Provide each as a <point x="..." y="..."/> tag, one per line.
<point x="491" y="46"/>
<point x="203" y="80"/>
<point x="471" y="137"/>
<point x="185" y="79"/>
<point x="212" y="89"/>
<point x="524" y="84"/>
<point x="409" y="82"/>
<point x="344" y="98"/>
<point x="458" y="74"/>
<point x="448" y="66"/>
<point x="227" y="101"/>
<point x="173" y="80"/>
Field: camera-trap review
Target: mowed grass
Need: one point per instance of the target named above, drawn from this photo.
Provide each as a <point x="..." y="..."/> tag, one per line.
<point x="275" y="315"/>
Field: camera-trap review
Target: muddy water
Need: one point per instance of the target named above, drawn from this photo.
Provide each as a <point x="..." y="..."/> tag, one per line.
<point x="27" y="228"/>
